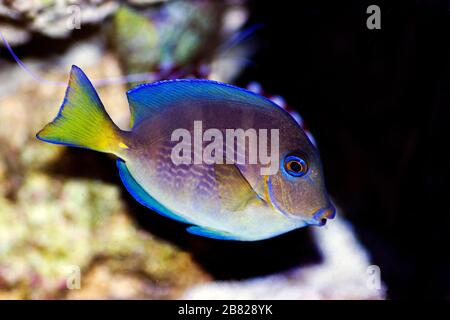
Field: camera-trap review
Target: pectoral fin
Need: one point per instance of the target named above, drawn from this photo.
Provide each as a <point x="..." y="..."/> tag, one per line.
<point x="235" y="191"/>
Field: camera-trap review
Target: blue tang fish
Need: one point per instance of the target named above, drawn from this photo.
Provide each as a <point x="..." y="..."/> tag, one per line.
<point x="177" y="158"/>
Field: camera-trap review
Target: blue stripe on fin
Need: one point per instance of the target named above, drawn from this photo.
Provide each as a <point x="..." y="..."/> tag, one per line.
<point x="141" y="195"/>
<point x="147" y="99"/>
<point x="211" y="233"/>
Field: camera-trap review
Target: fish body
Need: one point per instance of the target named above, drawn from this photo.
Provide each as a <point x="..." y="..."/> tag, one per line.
<point x="170" y="162"/>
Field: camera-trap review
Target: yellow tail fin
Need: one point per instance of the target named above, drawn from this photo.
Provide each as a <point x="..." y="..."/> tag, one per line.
<point x="82" y="120"/>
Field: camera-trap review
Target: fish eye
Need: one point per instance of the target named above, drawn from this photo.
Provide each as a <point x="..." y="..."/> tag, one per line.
<point x="295" y="166"/>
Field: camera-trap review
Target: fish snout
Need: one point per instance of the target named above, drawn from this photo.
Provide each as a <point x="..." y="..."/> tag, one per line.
<point x="321" y="216"/>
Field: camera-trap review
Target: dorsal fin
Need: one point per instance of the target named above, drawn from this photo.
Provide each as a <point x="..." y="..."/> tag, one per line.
<point x="147" y="99"/>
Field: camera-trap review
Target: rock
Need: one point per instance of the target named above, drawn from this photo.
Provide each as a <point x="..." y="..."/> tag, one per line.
<point x="344" y="273"/>
<point x="136" y="40"/>
<point x="53" y="223"/>
<point x="15" y="34"/>
<point x="58" y="224"/>
<point x="180" y="39"/>
<point x="54" y="18"/>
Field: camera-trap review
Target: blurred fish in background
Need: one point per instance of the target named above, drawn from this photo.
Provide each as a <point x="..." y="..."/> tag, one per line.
<point x="69" y="230"/>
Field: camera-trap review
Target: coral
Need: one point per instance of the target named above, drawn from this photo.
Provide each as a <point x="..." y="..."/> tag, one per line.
<point x="19" y="19"/>
<point x="60" y="218"/>
<point x="344" y="273"/>
<point x="180" y="39"/>
<point x="57" y="224"/>
<point x="51" y="223"/>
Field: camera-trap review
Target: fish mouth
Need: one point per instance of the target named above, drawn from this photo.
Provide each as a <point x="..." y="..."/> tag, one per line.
<point x="321" y="216"/>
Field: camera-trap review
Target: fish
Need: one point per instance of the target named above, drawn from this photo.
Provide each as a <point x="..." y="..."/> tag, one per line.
<point x="214" y="188"/>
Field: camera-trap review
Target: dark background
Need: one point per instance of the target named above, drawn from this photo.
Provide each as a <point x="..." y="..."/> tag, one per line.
<point x="377" y="102"/>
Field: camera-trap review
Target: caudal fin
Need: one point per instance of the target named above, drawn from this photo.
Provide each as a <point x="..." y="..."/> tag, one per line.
<point x="82" y="120"/>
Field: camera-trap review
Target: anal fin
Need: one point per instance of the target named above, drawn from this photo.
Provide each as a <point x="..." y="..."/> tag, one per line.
<point x="142" y="196"/>
<point x="211" y="233"/>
